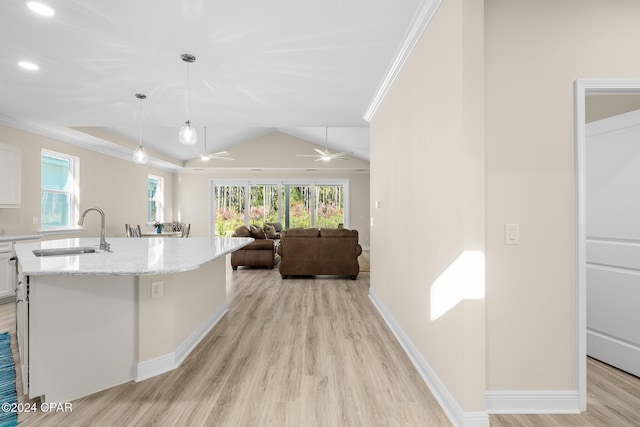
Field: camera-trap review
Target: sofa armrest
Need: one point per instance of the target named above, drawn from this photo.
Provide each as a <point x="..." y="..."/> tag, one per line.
<point x="358" y="249"/>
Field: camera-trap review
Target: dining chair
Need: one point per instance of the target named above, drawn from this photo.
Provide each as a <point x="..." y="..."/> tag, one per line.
<point x="133" y="231"/>
<point x="185" y="230"/>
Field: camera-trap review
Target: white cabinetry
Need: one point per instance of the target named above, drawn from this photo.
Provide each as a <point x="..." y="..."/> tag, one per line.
<point x="7" y="270"/>
<point x="10" y="174"/>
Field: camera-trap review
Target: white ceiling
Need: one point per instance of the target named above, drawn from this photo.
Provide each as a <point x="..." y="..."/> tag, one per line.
<point x="292" y="66"/>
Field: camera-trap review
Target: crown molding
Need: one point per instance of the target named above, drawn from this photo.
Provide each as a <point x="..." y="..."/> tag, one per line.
<point x="420" y="21"/>
<point x="83" y="140"/>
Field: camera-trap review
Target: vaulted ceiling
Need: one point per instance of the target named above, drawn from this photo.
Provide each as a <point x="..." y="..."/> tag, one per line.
<point x="292" y="66"/>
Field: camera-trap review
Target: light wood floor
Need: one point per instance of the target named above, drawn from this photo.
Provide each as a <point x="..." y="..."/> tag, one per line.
<point x="305" y="352"/>
<point x="613" y="399"/>
<point x="296" y="352"/>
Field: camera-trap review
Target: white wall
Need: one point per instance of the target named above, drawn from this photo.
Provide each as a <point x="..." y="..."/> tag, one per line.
<point x="117" y="186"/>
<point x="427" y="171"/>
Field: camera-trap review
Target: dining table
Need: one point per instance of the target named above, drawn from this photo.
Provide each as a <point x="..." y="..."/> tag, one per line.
<point x="162" y="234"/>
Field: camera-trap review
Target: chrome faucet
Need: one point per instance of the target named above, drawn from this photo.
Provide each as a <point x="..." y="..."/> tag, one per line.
<point x="103" y="233"/>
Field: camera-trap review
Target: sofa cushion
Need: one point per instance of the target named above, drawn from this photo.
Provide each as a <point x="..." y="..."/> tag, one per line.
<point x="275" y="225"/>
<point x="302" y="232"/>
<point x="242" y="231"/>
<point x="338" y="232"/>
<point x="257" y="232"/>
<point x="259" y="244"/>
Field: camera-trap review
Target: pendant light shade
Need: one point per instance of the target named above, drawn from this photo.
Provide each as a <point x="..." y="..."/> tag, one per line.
<point x="187" y="134"/>
<point x="140" y="154"/>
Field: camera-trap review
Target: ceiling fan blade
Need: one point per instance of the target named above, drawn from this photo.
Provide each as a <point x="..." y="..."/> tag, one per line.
<point x="335" y="155"/>
<point x="221" y="153"/>
<point x="322" y="153"/>
<point x="307" y="155"/>
<point x="339" y="158"/>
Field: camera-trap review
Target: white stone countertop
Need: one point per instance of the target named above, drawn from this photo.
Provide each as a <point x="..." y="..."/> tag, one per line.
<point x="128" y="256"/>
<point x="17" y="238"/>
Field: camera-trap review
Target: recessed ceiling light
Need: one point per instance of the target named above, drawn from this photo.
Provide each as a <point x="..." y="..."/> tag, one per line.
<point x="40" y="8"/>
<point x="28" y="65"/>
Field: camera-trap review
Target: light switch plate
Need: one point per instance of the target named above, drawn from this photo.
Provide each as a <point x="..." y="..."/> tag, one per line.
<point x="156" y="289"/>
<point x="511" y="234"/>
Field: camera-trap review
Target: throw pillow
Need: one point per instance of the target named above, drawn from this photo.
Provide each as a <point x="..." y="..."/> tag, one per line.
<point x="270" y="231"/>
<point x="243" y="231"/>
<point x="257" y="232"/>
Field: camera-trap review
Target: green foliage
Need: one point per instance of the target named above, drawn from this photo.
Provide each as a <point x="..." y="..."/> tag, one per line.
<point x="265" y="202"/>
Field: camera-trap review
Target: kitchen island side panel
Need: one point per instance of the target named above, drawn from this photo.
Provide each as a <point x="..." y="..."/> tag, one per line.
<point x="82" y="334"/>
<point x="189" y="302"/>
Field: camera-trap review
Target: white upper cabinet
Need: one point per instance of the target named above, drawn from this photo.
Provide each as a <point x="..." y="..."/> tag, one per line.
<point x="10" y="173"/>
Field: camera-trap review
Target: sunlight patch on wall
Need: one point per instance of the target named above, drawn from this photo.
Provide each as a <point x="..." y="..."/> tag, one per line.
<point x="463" y="279"/>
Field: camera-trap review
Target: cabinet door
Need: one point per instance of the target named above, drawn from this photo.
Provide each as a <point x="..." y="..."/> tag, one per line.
<point x="7" y="271"/>
<point x="10" y="176"/>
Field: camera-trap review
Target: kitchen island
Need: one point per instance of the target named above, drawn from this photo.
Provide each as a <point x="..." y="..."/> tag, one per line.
<point x="90" y="321"/>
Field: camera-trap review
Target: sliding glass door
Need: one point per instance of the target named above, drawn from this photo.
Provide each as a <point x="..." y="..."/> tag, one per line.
<point x="229" y="209"/>
<point x="329" y="206"/>
<point x="293" y="204"/>
<point x="264" y="204"/>
<point x="299" y="202"/>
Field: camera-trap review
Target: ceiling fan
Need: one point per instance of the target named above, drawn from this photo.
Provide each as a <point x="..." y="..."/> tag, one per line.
<point x="220" y="155"/>
<point x="326" y="155"/>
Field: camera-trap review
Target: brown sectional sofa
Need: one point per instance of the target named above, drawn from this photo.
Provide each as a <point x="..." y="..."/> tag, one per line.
<point x="259" y="253"/>
<point x="312" y="251"/>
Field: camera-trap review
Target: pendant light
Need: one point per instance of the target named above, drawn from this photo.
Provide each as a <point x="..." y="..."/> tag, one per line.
<point x="140" y="155"/>
<point x="187" y="134"/>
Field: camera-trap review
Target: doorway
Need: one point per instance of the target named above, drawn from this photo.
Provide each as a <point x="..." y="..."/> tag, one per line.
<point x="583" y="88"/>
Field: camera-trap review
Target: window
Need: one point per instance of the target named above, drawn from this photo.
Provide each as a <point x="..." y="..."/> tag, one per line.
<point x="155" y="199"/>
<point x="59" y="190"/>
<point x="293" y="204"/>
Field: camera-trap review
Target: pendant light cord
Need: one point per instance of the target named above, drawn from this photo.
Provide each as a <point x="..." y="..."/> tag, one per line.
<point x="188" y="106"/>
<point x="140" y="124"/>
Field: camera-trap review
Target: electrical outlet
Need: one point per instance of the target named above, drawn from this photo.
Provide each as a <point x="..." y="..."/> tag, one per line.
<point x="156" y="289"/>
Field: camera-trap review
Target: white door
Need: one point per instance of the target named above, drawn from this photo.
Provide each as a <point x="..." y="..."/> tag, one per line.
<point x="613" y="241"/>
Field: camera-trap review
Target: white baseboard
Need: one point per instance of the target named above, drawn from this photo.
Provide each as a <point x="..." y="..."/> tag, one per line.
<point x="437" y="387"/>
<point x="532" y="402"/>
<point x="170" y="361"/>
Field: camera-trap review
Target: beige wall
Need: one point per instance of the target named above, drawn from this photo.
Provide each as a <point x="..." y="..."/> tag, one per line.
<point x="534" y="52"/>
<point x="427" y="171"/>
<point x="191" y="197"/>
<point x="118" y="187"/>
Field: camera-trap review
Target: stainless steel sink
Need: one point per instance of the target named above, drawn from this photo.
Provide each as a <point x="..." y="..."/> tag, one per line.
<point x="65" y="251"/>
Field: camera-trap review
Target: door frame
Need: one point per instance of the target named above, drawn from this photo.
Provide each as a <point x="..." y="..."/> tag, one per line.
<point x="582" y="88"/>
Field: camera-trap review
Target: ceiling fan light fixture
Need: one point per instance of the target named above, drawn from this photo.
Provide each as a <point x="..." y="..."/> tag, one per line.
<point x="140" y="154"/>
<point x="187" y="134"/>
